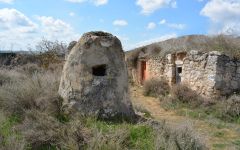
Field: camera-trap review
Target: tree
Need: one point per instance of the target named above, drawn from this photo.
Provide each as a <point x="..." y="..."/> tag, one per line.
<point x="50" y="52"/>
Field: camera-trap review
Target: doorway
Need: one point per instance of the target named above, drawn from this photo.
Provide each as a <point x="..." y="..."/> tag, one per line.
<point x="178" y="74"/>
<point x="143" y="71"/>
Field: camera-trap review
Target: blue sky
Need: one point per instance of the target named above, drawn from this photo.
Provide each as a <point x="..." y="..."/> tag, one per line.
<point x="136" y="22"/>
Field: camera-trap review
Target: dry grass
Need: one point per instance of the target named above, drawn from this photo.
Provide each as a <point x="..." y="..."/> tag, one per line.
<point x="35" y="120"/>
<point x="142" y="111"/>
<point x="182" y="137"/>
<point x="232" y="107"/>
<point x="7" y="76"/>
<point x="156" y="87"/>
<point x="10" y="138"/>
<point x="228" y="109"/>
<point x="38" y="91"/>
<point x="40" y="129"/>
<point x="184" y="94"/>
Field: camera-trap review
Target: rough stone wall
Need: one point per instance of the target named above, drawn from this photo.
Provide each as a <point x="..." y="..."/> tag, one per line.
<point x="211" y="74"/>
<point x="159" y="67"/>
<point x="227" y="75"/>
<point x="199" y="72"/>
<point x="103" y="94"/>
<point x="155" y="67"/>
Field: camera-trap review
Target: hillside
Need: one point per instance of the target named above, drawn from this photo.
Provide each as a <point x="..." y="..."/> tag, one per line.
<point x="226" y="44"/>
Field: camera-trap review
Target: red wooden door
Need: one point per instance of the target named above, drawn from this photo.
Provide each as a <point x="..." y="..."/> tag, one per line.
<point x="144" y="71"/>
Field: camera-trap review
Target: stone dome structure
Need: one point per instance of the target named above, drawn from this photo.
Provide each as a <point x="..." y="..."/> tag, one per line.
<point x="94" y="79"/>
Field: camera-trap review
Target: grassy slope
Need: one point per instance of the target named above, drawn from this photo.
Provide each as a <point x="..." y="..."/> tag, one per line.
<point x="228" y="45"/>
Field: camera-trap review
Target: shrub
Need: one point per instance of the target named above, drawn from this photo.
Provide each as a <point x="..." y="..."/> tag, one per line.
<point x="156" y="88"/>
<point x="51" y="52"/>
<point x="185" y="95"/>
<point x="38" y="91"/>
<point x="42" y="130"/>
<point x="229" y="109"/>
<point x="102" y="140"/>
<point x="182" y="137"/>
<point x="30" y="69"/>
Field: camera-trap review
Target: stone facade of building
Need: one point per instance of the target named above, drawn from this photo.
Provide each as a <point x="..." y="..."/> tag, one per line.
<point x="208" y="73"/>
<point x="211" y="73"/>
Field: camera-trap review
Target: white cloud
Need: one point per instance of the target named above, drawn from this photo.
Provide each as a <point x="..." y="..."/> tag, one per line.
<point x="72" y="14"/>
<point x="224" y="16"/>
<point x="120" y="22"/>
<point x="151" y="26"/>
<point x="153" y="40"/>
<point x="163" y="21"/>
<point x="150" y="6"/>
<point x="176" y="26"/>
<point x="11" y="19"/>
<point x="17" y="30"/>
<point x="100" y="2"/>
<point x="95" y="2"/>
<point x="56" y="29"/>
<point x="7" y="1"/>
<point x="172" y="25"/>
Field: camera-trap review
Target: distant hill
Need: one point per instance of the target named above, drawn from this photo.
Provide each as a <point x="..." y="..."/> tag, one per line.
<point x="227" y="44"/>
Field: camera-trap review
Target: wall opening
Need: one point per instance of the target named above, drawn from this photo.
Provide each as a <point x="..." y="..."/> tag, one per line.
<point x="143" y="71"/>
<point x="179" y="70"/>
<point x="178" y="74"/>
<point x="99" y="70"/>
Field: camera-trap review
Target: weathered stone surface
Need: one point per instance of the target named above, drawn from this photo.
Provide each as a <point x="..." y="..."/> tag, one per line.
<point x="209" y="73"/>
<point x="217" y="73"/>
<point x="94" y="79"/>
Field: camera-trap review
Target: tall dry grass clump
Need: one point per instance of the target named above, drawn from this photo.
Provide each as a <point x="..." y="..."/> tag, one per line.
<point x="184" y="94"/>
<point x="228" y="109"/>
<point x="156" y="87"/>
<point x="26" y="94"/>
<point x="182" y="137"/>
<point x="37" y="91"/>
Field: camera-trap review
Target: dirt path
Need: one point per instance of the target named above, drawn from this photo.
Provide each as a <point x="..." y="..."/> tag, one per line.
<point x="218" y="135"/>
